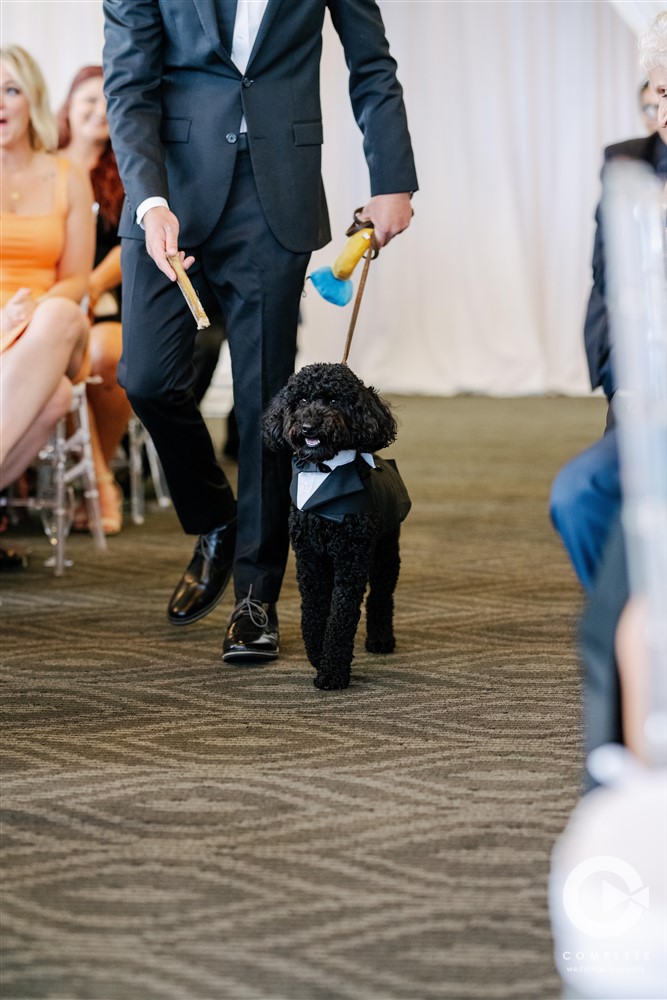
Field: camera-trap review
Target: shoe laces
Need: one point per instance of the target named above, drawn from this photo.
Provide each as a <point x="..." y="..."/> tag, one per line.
<point x="205" y="545"/>
<point x="253" y="609"/>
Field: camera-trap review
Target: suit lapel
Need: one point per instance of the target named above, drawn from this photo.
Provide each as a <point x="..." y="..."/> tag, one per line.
<point x="226" y="11"/>
<point x="213" y="18"/>
<point x="269" y="15"/>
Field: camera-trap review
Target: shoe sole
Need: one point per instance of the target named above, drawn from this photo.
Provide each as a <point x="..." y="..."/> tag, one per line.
<point x="204" y="611"/>
<point x="246" y="655"/>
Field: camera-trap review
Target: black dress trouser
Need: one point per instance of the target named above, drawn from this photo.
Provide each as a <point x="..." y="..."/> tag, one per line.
<point x="258" y="284"/>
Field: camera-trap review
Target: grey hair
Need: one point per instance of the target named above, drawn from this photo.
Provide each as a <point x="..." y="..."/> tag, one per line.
<point x="653" y="44"/>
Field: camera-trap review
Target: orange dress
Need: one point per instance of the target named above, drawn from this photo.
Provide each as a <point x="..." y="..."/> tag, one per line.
<point x="30" y="248"/>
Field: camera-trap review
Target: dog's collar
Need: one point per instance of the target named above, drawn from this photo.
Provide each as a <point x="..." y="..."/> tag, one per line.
<point x="347" y="456"/>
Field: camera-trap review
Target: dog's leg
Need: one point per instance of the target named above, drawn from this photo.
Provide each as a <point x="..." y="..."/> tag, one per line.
<point x="385" y="565"/>
<point x="315" y="580"/>
<point x="314" y="575"/>
<point x="351" y="553"/>
<point x="333" y="672"/>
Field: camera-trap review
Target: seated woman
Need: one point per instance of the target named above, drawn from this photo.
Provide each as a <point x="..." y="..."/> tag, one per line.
<point x="46" y="243"/>
<point x="83" y="136"/>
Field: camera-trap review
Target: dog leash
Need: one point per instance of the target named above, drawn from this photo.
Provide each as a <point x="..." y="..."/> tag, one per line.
<point x="368" y="257"/>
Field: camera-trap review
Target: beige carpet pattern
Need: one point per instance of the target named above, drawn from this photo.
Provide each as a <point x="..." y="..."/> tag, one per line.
<point x="173" y="828"/>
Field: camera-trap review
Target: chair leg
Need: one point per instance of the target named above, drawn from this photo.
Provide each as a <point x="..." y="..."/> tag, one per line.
<point x="137" y="494"/>
<point x="159" y="482"/>
<point x="60" y="526"/>
<point x="90" y="492"/>
<point x="140" y="439"/>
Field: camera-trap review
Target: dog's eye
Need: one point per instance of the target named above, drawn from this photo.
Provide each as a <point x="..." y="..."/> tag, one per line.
<point x="303" y="402"/>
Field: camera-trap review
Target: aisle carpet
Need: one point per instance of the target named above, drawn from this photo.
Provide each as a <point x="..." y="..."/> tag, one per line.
<point x="178" y="829"/>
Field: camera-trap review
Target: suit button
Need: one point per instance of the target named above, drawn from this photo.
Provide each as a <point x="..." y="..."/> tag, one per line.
<point x="231" y="137"/>
<point x="246" y="82"/>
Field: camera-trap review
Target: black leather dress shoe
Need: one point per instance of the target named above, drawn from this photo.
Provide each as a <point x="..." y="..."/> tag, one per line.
<point x="204" y="581"/>
<point x="252" y="633"/>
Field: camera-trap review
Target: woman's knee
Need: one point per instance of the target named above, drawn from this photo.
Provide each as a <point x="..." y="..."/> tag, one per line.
<point x="64" y="314"/>
<point x="62" y="317"/>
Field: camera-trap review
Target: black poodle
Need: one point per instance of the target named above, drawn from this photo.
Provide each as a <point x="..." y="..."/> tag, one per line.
<point x="347" y="506"/>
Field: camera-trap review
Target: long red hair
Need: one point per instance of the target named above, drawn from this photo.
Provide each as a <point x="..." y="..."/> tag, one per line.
<point x="104" y="176"/>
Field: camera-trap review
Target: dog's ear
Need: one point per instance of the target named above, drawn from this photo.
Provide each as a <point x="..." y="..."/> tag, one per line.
<point x="273" y="423"/>
<point x="377" y="425"/>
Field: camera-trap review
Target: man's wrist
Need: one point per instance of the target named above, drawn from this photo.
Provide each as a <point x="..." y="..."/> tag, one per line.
<point x="147" y="204"/>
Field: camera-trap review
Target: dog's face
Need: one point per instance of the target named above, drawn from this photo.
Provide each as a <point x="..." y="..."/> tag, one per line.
<point x="325" y="409"/>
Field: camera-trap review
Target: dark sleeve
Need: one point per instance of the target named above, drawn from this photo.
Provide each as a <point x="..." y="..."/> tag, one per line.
<point x="376" y="95"/>
<point x="596" y="324"/>
<point x="132" y="84"/>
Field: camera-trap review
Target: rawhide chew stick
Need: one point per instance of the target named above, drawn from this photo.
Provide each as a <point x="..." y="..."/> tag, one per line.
<point x="189" y="294"/>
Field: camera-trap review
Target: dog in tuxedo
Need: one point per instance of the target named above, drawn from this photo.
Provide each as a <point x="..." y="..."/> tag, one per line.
<point x="347" y="508"/>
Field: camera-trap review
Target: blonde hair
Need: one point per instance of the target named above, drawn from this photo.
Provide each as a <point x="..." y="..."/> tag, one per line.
<point x="653" y="44"/>
<point x="42" y="128"/>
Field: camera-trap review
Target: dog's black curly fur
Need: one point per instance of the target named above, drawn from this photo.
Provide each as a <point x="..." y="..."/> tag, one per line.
<point x="324" y="409"/>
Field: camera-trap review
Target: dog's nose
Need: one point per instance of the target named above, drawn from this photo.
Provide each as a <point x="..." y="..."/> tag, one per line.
<point x="306" y="428"/>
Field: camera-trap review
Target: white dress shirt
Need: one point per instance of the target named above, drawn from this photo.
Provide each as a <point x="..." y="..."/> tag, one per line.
<point x="249" y="14"/>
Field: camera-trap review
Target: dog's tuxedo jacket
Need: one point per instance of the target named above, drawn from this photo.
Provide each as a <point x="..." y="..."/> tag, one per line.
<point x="357" y="488"/>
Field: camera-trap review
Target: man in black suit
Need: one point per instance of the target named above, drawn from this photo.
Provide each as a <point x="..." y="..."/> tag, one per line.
<point x="215" y="117"/>
<point x="586" y="494"/>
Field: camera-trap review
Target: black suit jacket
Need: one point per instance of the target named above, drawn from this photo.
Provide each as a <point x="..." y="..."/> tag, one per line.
<point x="175" y="102"/>
<point x="596" y="326"/>
<point x="358" y="488"/>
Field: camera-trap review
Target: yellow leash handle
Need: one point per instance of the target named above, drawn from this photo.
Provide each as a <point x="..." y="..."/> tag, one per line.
<point x="351" y="254"/>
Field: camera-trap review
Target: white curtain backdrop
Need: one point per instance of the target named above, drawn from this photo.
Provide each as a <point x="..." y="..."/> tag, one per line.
<point x="510" y="105"/>
<point x="637" y="13"/>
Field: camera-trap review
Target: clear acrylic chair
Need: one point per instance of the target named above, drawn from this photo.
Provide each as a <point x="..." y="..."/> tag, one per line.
<point x="66" y="458"/>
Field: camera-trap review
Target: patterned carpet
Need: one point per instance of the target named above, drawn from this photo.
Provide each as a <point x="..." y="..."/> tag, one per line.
<point x="174" y="828"/>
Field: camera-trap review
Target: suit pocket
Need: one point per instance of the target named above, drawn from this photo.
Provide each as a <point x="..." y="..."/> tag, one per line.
<point x="308" y="133"/>
<point x="175" y="129"/>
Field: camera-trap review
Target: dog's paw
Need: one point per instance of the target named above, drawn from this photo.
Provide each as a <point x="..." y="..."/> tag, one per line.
<point x="375" y="645"/>
<point x="331" y="682"/>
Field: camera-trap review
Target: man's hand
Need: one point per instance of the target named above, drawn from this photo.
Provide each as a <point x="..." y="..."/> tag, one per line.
<point x="390" y="215"/>
<point x="162" y="227"/>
